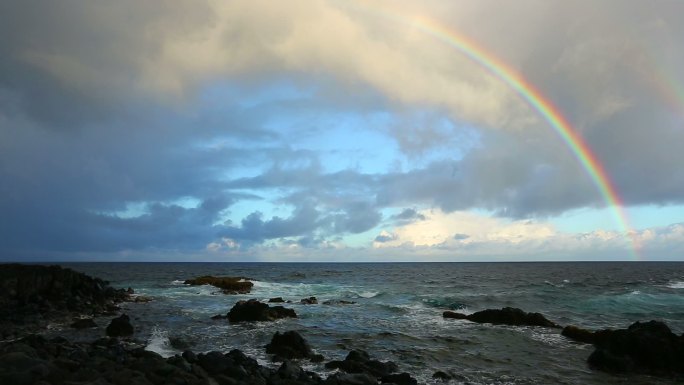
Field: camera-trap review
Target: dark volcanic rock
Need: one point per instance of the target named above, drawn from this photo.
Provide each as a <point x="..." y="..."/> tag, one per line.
<point x="83" y="323"/>
<point x="253" y="310"/>
<point x="399" y="379"/>
<point x="120" y="327"/>
<point x="33" y="295"/>
<point x="340" y="378"/>
<point x="309" y="301"/>
<point x="358" y="361"/>
<point x="276" y="300"/>
<point x="228" y="285"/>
<point x="291" y="345"/>
<point x="338" y="302"/>
<point x="505" y="316"/>
<point x="453" y="314"/>
<point x="648" y="347"/>
<point x="587" y="336"/>
<point x="440" y="375"/>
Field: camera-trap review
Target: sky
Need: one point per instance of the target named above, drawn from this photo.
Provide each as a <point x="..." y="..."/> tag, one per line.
<point x="344" y="130"/>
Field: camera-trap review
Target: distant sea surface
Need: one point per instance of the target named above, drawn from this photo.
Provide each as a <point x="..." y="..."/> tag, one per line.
<point x="398" y="312"/>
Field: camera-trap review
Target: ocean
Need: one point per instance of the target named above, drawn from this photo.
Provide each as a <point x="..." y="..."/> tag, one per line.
<point x="397" y="314"/>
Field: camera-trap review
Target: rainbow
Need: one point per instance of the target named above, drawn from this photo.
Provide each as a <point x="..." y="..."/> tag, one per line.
<point x="530" y="94"/>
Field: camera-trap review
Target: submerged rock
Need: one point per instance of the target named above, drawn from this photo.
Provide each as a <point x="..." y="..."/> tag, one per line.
<point x="291" y="345"/>
<point x="120" y="327"/>
<point x="309" y="301"/>
<point x="228" y="285"/>
<point x="253" y="310"/>
<point x="276" y="300"/>
<point x="338" y="302"/>
<point x="644" y="347"/>
<point x="358" y="361"/>
<point x="504" y="316"/>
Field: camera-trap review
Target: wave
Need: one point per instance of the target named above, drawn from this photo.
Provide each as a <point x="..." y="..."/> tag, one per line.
<point x="445" y="303"/>
<point x="159" y="343"/>
<point x="675" y="285"/>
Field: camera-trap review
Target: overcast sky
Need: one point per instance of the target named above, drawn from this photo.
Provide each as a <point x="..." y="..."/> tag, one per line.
<point x="336" y="130"/>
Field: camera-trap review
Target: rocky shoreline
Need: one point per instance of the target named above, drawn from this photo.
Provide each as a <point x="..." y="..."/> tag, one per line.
<point x="32" y="296"/>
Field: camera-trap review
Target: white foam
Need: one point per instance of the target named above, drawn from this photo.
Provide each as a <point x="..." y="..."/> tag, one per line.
<point x="368" y="294"/>
<point x="178" y="282"/>
<point x="159" y="343"/>
<point x="676" y="285"/>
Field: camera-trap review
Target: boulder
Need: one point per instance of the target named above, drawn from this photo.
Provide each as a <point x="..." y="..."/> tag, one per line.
<point x="399" y="379"/>
<point x="583" y="335"/>
<point x="309" y="301"/>
<point x="504" y="316"/>
<point x="644" y="347"/>
<point x="442" y="376"/>
<point x="276" y="300"/>
<point x="291" y="345"/>
<point x="358" y="361"/>
<point x="120" y="327"/>
<point x="228" y="285"/>
<point x="253" y="310"/>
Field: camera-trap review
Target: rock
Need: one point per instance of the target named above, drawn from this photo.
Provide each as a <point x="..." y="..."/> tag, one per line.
<point x="253" y="310"/>
<point x="578" y="334"/>
<point x="452" y="314"/>
<point x="442" y="376"/>
<point x="338" y="302"/>
<point x="358" y="361"/>
<point x="289" y="370"/>
<point x="120" y="327"/>
<point x="309" y="301"/>
<point x="190" y="356"/>
<point x="291" y="345"/>
<point x="83" y="323"/>
<point x="228" y="285"/>
<point x="648" y="347"/>
<point x="276" y="300"/>
<point x="350" y="379"/>
<point x="399" y="379"/>
<point x="214" y="362"/>
<point x="505" y="316"/>
<point x="31" y="296"/>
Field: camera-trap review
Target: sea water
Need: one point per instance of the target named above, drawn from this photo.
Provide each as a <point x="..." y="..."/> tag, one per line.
<point x="397" y="314"/>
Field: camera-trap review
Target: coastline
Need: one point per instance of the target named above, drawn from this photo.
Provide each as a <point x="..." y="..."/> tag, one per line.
<point x="130" y="349"/>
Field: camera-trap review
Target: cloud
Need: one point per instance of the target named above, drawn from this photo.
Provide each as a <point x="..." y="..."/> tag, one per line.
<point x="104" y="108"/>
<point x="384" y="237"/>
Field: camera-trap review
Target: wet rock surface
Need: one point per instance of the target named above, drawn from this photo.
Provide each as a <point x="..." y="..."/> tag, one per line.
<point x="504" y="316"/>
<point x="359" y="361"/>
<point x="228" y="285"/>
<point x="253" y="310"/>
<point x="31" y="296"/>
<point x="644" y="347"/>
<point x="120" y="327"/>
<point x="291" y="345"/>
